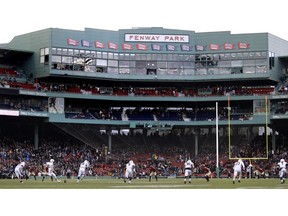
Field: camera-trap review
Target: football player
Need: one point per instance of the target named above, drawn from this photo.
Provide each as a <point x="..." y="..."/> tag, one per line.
<point x="282" y="170"/>
<point x="82" y="170"/>
<point x="19" y="171"/>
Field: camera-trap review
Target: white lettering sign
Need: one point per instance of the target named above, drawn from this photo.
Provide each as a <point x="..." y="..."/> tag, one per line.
<point x="156" y="38"/>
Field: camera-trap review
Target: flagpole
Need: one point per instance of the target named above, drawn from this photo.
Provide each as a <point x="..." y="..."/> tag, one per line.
<point x="217" y="143"/>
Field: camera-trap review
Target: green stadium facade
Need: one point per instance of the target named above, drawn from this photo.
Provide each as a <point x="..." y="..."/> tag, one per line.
<point x="183" y="75"/>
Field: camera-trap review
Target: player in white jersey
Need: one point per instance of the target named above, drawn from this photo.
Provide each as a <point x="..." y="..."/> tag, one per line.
<point x="282" y="170"/>
<point x="50" y="166"/>
<point x="82" y="170"/>
<point x="238" y="166"/>
<point x="188" y="166"/>
<point x="130" y="169"/>
<point x="19" y="171"/>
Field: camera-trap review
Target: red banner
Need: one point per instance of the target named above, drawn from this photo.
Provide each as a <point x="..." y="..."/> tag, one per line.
<point x="112" y="46"/>
<point x="228" y="46"/>
<point x="99" y="44"/>
<point x="72" y="42"/>
<point x="242" y="45"/>
<point x="214" y="46"/>
<point x="141" y="47"/>
<point x="127" y="46"/>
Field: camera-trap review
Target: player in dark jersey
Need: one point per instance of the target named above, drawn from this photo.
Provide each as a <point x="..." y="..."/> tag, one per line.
<point x="152" y="172"/>
<point x="207" y="172"/>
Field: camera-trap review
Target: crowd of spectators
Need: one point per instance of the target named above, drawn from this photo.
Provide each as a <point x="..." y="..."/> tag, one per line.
<point x="169" y="152"/>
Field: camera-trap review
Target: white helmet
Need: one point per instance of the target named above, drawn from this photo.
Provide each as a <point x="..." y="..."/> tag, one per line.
<point x="22" y="164"/>
<point x="131" y="161"/>
<point x="51" y="160"/>
<point x="282" y="160"/>
<point x="86" y="162"/>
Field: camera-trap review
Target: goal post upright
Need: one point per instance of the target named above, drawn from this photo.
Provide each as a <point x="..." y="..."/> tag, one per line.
<point x="267" y="128"/>
<point x="228" y="118"/>
<point x="217" y="142"/>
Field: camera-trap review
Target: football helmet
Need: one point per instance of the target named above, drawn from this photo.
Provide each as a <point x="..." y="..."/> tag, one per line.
<point x="282" y="160"/>
<point x="51" y="160"/>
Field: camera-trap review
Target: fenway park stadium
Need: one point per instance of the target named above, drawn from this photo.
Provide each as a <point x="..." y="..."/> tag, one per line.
<point x="152" y="95"/>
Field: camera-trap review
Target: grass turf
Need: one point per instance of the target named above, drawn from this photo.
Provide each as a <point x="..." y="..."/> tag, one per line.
<point x="162" y="183"/>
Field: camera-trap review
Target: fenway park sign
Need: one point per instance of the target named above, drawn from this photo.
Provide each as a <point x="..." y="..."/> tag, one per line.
<point x="156" y="38"/>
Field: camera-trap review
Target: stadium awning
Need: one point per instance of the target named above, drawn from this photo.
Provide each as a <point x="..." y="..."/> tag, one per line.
<point x="13" y="57"/>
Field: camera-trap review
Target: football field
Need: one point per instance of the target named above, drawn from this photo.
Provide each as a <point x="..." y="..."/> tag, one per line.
<point x="162" y="183"/>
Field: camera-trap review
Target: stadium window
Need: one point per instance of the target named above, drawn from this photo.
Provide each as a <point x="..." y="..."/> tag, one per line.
<point x="116" y="56"/>
<point x="251" y="55"/>
<point x="110" y="55"/>
<point x="101" y="62"/>
<point x="271" y="60"/>
<point x="227" y="56"/>
<point x="132" y="57"/>
<point x="70" y="52"/>
<point x="264" y="54"/>
<point x="46" y="51"/>
<point x="82" y="53"/>
<point x="143" y="56"/>
<point x="124" y="64"/>
<point x="42" y="59"/>
<point x="99" y="54"/>
<point x="127" y="56"/>
<point x="64" y="52"/>
<point x="149" y="57"/>
<point x="76" y="52"/>
<point x="112" y="63"/>
<point x="53" y="51"/>
<point x="93" y="54"/>
<point x="104" y="55"/>
<point x="138" y="57"/>
<point x="233" y="56"/>
<point x="44" y="55"/>
<point x="245" y="56"/>
<point x="164" y="57"/>
<point x="239" y="55"/>
<point x="154" y="56"/>
<point x="132" y="64"/>
<point x="46" y="59"/>
<point x="159" y="56"/>
<point x="59" y="51"/>
<point x="182" y="57"/>
<point x="175" y="57"/>
<point x="101" y="70"/>
<point x="121" y="56"/>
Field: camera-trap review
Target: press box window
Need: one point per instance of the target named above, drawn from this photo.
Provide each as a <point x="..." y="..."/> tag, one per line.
<point x="44" y="55"/>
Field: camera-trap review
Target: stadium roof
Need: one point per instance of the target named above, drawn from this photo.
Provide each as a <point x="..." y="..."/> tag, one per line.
<point x="13" y="57"/>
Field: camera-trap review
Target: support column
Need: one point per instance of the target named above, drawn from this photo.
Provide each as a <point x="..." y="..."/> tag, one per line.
<point x="273" y="138"/>
<point x="36" y="136"/>
<point x="196" y="141"/>
<point x="109" y="132"/>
